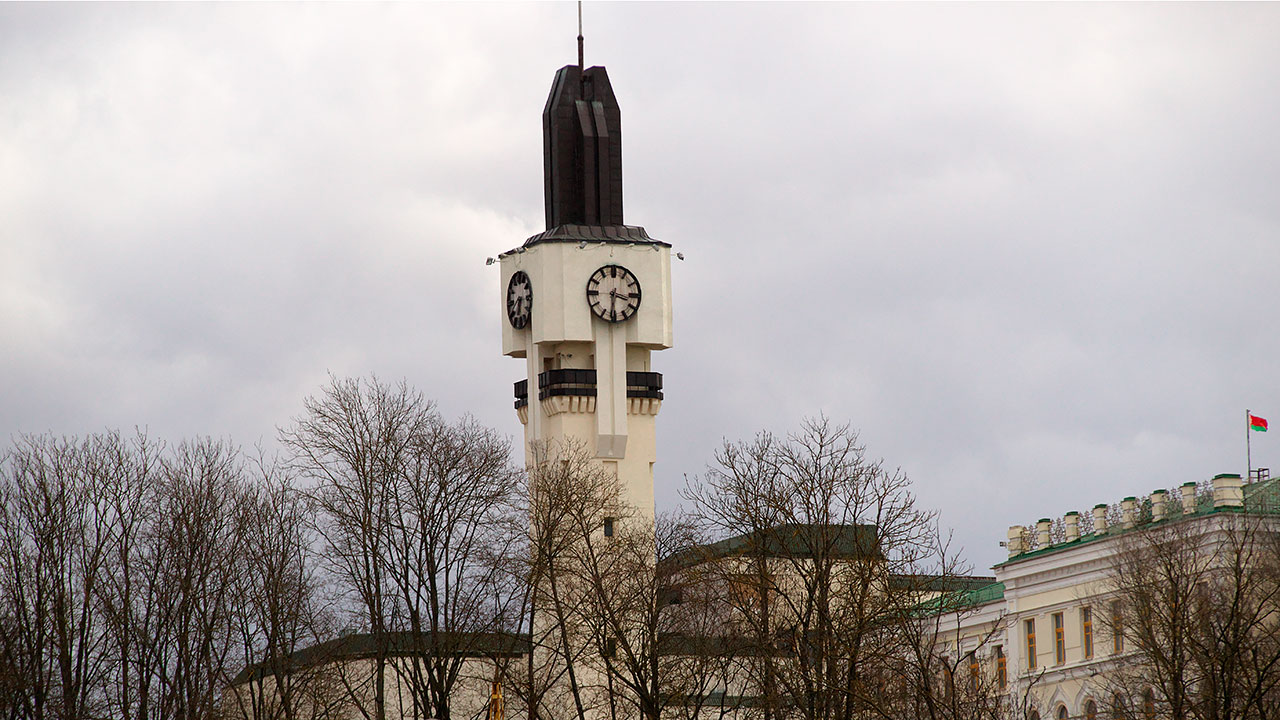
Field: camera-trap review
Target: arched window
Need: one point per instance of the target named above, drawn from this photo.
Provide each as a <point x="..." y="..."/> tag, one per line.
<point x="1090" y="710"/>
<point x="1062" y="712"/>
<point x="1117" y="707"/>
<point x="1033" y="714"/>
<point x="1148" y="704"/>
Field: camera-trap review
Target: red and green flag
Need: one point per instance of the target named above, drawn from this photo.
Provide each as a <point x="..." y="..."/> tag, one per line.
<point x="1257" y="423"/>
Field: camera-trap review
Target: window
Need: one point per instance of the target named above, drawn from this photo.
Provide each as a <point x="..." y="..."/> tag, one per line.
<point x="948" y="680"/>
<point x="748" y="594"/>
<point x="610" y="647"/>
<point x="1086" y="625"/>
<point x="1059" y="641"/>
<point x="1149" y="704"/>
<point x="1062" y="712"/>
<point x="974" y="671"/>
<point x="1002" y="670"/>
<point x="1117" y="629"/>
<point x="1091" y="710"/>
<point x="1117" y="707"/>
<point x="608" y="527"/>
<point x="1033" y="715"/>
<point x="1031" y="645"/>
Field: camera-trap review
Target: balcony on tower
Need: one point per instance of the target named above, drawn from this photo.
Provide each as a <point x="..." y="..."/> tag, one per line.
<point x="574" y="390"/>
<point x="644" y="385"/>
<point x="566" y="382"/>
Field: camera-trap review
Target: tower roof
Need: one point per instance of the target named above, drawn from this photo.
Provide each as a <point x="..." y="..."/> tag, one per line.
<point x="582" y="161"/>
<point x="582" y="149"/>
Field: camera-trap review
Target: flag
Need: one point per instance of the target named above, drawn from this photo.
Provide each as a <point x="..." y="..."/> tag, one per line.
<point x="1257" y="423"/>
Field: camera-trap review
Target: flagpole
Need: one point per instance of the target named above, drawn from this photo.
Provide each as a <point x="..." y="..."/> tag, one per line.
<point x="1248" y="450"/>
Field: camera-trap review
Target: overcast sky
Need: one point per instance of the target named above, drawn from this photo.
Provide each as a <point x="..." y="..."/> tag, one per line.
<point x="1029" y="251"/>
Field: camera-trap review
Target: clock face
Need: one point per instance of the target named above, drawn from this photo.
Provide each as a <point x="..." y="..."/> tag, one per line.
<point x="519" y="300"/>
<point x="613" y="293"/>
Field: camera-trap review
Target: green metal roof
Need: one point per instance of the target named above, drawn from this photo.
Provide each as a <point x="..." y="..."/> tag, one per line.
<point x="792" y="540"/>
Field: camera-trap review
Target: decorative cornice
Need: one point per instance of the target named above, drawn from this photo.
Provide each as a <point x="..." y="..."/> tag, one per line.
<point x="643" y="406"/>
<point x="557" y="404"/>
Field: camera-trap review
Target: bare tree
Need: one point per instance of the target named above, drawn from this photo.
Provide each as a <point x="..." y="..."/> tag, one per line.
<point x="1195" y="601"/>
<point x="603" y="606"/>
<point x="415" y="513"/>
<point x="819" y="544"/>
<point x="631" y="609"/>
<point x="191" y="563"/>
<point x="936" y="671"/>
<point x="118" y="576"/>
<point x="281" y="608"/>
<point x="454" y="522"/>
<point x="52" y="559"/>
<point x="568" y="493"/>
<point x="355" y="441"/>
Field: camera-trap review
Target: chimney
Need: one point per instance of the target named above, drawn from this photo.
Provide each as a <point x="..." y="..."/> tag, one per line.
<point x="1042" y="533"/>
<point x="1227" y="491"/>
<point x="1072" y="521"/>
<point x="1159" y="505"/>
<point x="1129" y="511"/>
<point x="1100" y="519"/>
<point x="1188" y="490"/>
<point x="1015" y="543"/>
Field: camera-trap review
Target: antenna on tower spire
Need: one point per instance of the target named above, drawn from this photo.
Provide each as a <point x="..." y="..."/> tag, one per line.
<point x="580" y="65"/>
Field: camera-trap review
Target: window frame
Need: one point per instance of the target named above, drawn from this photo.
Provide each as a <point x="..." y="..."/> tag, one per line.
<point x="1059" y="639"/>
<point x="1029" y="632"/>
<point x="1002" y="668"/>
<point x="1117" y="629"/>
<point x="1086" y="631"/>
<point x="974" y="671"/>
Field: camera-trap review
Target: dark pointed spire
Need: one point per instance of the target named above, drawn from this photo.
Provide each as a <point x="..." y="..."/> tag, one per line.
<point x="582" y="149"/>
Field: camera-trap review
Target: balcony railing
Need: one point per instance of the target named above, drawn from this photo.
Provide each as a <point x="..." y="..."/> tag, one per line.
<point x="644" y="385"/>
<point x="582" y="383"/>
<point x="567" y="381"/>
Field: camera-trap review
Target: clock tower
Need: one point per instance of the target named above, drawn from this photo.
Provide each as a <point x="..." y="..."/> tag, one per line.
<point x="586" y="302"/>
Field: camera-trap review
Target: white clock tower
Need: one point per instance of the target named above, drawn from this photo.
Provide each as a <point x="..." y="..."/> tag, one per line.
<point x="586" y="302"/>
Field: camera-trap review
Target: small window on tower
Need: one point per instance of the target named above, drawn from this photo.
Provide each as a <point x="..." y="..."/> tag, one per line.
<point x="608" y="527"/>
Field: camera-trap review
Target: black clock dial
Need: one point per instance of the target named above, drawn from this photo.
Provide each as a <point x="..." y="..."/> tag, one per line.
<point x="613" y="293"/>
<point x="519" y="300"/>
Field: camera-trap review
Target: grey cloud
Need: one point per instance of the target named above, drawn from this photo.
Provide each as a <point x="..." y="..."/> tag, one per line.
<point x="1024" y="248"/>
